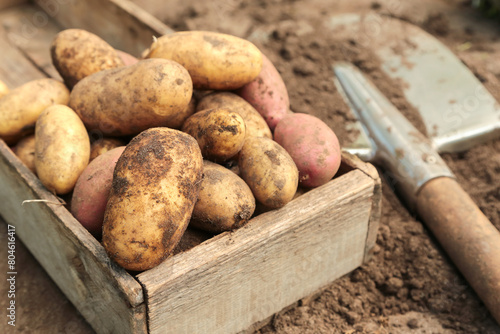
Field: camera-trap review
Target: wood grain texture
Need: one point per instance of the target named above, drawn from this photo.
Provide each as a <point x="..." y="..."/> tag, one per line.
<point x="376" y="211"/>
<point x="9" y="3"/>
<point x="468" y="237"/>
<point x="106" y="295"/>
<point x="239" y="278"/>
<point x="15" y="68"/>
<point x="119" y="22"/>
<point x="31" y="31"/>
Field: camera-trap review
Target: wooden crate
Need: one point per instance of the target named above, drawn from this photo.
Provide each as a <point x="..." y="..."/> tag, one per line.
<point x="230" y="283"/>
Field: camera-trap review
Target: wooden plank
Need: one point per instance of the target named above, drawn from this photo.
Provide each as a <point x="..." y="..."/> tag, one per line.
<point x="376" y="212"/>
<point x="120" y="22"/>
<point x="15" y="69"/>
<point x="9" y="3"/>
<point x="236" y="279"/>
<point x="108" y="297"/>
<point x="31" y="31"/>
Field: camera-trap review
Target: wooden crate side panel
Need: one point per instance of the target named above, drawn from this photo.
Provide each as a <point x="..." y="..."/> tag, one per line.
<point x="121" y="23"/>
<point x="236" y="279"/>
<point x="15" y="68"/>
<point x="106" y="295"/>
<point x="376" y="211"/>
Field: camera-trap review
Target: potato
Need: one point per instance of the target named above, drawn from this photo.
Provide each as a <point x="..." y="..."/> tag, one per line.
<point x="62" y="148"/>
<point x="267" y="94"/>
<point x="225" y="201"/>
<point x="191" y="238"/>
<point x="127" y="100"/>
<point x="127" y="58"/>
<point x="77" y="53"/>
<point x="256" y="126"/>
<point x="3" y="89"/>
<point x="20" y="108"/>
<point x="104" y="145"/>
<point x="219" y="132"/>
<point x="313" y="146"/>
<point x="91" y="192"/>
<point x="25" y="151"/>
<point x="155" y="187"/>
<point x="214" y="60"/>
<point x="269" y="171"/>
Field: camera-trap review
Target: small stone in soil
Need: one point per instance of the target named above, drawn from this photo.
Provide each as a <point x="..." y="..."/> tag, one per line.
<point x="413" y="323"/>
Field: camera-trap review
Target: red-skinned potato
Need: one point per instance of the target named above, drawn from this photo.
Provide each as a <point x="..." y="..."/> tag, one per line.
<point x="267" y="94"/>
<point x="91" y="192"/>
<point x="313" y="146"/>
<point x="127" y="58"/>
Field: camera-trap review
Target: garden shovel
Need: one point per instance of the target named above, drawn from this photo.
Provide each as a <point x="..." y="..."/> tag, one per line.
<point x="458" y="112"/>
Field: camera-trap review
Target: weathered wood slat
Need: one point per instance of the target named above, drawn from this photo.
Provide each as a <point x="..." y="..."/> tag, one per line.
<point x="108" y="297"/>
<point x="31" y="31"/>
<point x="236" y="279"/>
<point x="121" y="23"/>
<point x="15" y="68"/>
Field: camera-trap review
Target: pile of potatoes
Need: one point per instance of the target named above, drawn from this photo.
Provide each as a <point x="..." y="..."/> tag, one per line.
<point x="184" y="135"/>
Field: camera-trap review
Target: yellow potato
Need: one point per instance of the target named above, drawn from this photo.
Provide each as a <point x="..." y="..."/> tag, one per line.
<point x="269" y="171"/>
<point x="77" y="53"/>
<point x="104" y="145"/>
<point x="62" y="148"/>
<point x="225" y="201"/>
<point x="3" y="89"/>
<point x="20" y="108"/>
<point x="219" y="132"/>
<point x="214" y="60"/>
<point x="25" y="151"/>
<point x="155" y="187"/>
<point x="127" y="100"/>
<point x="256" y="126"/>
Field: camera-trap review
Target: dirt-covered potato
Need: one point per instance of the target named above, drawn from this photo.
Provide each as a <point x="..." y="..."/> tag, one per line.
<point x="155" y="187"/>
<point x="214" y="60"/>
<point x="3" y="89"/>
<point x="62" y="148"/>
<point x="77" y="53"/>
<point x="256" y="126"/>
<point x="268" y="94"/>
<point x="219" y="132"/>
<point x="90" y="196"/>
<point x="25" y="151"/>
<point x="225" y="201"/>
<point x="20" y="108"/>
<point x="130" y="99"/>
<point x="104" y="145"/>
<point x="313" y="146"/>
<point x="269" y="171"/>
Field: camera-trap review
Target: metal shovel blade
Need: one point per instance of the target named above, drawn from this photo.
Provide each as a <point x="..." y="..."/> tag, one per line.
<point x="457" y="110"/>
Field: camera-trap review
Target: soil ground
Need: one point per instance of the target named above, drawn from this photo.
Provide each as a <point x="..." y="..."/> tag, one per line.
<point x="410" y="286"/>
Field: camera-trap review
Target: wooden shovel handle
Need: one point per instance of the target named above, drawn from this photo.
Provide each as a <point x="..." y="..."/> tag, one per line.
<point x="468" y="237"/>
